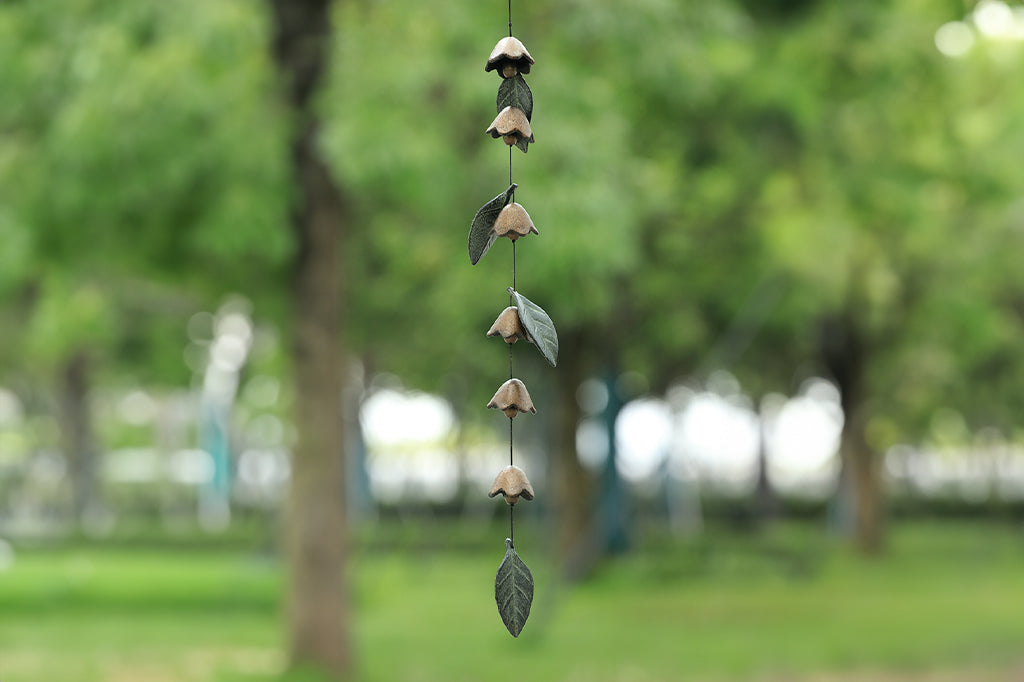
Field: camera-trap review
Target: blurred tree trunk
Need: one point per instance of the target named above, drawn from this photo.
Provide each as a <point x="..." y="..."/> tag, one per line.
<point x="765" y="504"/>
<point x="76" y="433"/>
<point x="573" y="487"/>
<point x="612" y="504"/>
<point x="861" y="463"/>
<point x="315" y="526"/>
<point x="844" y="354"/>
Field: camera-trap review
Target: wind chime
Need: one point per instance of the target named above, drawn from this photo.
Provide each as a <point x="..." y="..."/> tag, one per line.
<point x="522" y="319"/>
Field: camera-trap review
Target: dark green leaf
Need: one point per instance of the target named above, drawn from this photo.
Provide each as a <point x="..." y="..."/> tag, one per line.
<point x="513" y="590"/>
<point x="538" y="325"/>
<point x="523" y="144"/>
<point x="481" y="236"/>
<point x="514" y="92"/>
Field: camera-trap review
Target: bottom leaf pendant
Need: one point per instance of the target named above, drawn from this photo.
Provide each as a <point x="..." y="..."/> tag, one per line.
<point x="513" y="590"/>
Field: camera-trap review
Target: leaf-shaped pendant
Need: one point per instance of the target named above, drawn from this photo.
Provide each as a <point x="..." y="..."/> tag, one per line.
<point x="513" y="590"/>
<point x="481" y="236"/>
<point x="514" y="92"/>
<point x="538" y="325"/>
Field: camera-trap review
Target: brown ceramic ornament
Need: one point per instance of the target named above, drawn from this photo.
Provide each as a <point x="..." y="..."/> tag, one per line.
<point x="513" y="484"/>
<point x="512" y="398"/>
<point x="511" y="125"/>
<point x="508" y="326"/>
<point x="509" y="57"/>
<point x="514" y="222"/>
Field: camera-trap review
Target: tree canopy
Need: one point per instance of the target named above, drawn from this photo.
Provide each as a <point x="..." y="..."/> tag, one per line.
<point x="715" y="184"/>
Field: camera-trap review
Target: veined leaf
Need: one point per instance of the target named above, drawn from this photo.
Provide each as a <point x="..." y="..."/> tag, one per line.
<point x="513" y="590"/>
<point x="481" y="236"/>
<point x="514" y="92"/>
<point x="538" y="325"/>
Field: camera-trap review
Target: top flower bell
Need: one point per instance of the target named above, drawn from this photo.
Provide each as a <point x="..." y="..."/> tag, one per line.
<point x="509" y="57"/>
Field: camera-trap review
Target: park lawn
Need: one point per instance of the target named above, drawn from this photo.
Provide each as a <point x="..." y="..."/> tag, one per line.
<point x="944" y="604"/>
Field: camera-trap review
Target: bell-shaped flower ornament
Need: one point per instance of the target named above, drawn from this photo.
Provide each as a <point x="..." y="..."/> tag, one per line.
<point x="508" y="326"/>
<point x="512" y="398"/>
<point x="509" y="57"/>
<point x="514" y="222"/>
<point x="513" y="484"/>
<point x="512" y="126"/>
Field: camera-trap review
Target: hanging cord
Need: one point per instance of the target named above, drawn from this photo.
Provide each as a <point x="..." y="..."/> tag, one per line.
<point x="511" y="374"/>
<point x="511" y="508"/>
<point x="513" y="267"/>
<point x="513" y="241"/>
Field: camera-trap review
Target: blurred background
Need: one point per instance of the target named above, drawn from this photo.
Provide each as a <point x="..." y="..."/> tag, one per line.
<point x="780" y="241"/>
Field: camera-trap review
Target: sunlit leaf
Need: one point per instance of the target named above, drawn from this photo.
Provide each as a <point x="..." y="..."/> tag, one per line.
<point x="481" y="236"/>
<point x="513" y="590"/>
<point x="514" y="92"/>
<point x="538" y="325"/>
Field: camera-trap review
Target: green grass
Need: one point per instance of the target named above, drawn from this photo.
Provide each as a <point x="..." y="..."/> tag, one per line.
<point x="781" y="606"/>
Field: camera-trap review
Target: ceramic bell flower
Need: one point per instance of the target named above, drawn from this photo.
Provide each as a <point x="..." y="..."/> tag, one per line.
<point x="513" y="484"/>
<point x="512" y="398"/>
<point x="511" y="125"/>
<point x="509" y="57"/>
<point x="514" y="222"/>
<point x="508" y="326"/>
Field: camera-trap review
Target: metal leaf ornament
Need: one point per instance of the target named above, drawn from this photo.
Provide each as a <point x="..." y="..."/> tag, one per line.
<point x="514" y="92"/>
<point x="538" y="325"/>
<point x="513" y="590"/>
<point x="481" y="233"/>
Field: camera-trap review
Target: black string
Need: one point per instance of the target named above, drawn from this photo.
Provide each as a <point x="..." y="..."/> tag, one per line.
<point x="511" y="508"/>
<point x="513" y="241"/>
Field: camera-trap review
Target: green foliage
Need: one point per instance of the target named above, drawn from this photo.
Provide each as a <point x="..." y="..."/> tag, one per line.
<point x="704" y="201"/>
<point x="869" y="206"/>
<point x="143" y="178"/>
<point x="138" y="148"/>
